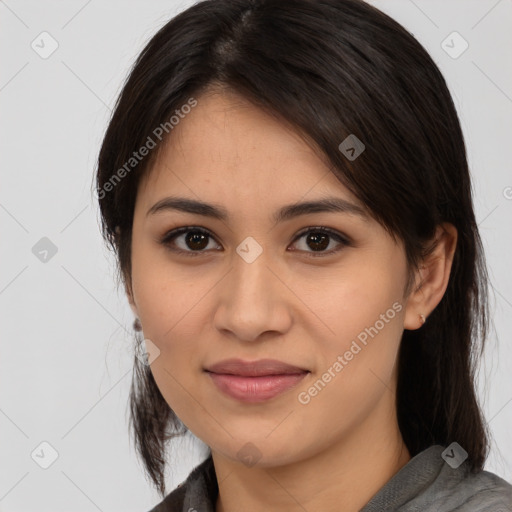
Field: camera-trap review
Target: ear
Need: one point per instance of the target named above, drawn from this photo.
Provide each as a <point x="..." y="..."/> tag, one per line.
<point x="431" y="279"/>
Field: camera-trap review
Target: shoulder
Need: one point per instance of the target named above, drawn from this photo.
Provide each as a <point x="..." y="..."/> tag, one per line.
<point x="430" y="484"/>
<point x="481" y="492"/>
<point x="464" y="491"/>
<point x="197" y="493"/>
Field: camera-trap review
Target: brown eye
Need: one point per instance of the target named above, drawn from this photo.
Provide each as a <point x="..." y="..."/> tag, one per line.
<point x="194" y="241"/>
<point x="190" y="240"/>
<point x="318" y="240"/>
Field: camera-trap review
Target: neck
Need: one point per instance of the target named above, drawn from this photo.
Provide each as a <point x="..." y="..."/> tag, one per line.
<point x="346" y="476"/>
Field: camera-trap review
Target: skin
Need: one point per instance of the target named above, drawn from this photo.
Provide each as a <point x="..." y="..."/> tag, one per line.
<point x="344" y="444"/>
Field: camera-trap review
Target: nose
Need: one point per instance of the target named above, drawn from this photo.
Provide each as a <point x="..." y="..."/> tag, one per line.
<point x="253" y="301"/>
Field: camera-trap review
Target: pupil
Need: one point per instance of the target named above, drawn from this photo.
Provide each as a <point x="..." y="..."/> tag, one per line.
<point x="320" y="241"/>
<point x="196" y="240"/>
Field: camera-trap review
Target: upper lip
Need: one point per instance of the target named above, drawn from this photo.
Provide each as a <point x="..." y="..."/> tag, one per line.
<point x="254" y="368"/>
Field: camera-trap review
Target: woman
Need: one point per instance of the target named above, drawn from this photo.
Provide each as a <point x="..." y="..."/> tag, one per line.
<point x="286" y="189"/>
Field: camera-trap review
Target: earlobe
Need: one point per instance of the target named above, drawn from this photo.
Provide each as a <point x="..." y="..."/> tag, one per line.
<point x="432" y="277"/>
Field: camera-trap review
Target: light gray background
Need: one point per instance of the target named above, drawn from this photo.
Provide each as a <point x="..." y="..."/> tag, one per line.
<point x="65" y="364"/>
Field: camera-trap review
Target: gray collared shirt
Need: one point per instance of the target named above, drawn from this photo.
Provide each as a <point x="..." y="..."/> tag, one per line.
<point x="426" y="483"/>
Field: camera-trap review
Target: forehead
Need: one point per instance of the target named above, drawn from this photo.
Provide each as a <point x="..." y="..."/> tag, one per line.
<point x="229" y="151"/>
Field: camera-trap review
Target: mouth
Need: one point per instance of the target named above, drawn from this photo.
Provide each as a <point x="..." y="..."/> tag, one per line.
<point x="259" y="368"/>
<point x="254" y="381"/>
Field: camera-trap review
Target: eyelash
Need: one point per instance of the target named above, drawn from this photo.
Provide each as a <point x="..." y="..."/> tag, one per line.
<point x="173" y="234"/>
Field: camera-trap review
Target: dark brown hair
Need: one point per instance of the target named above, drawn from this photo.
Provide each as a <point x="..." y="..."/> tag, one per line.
<point x="330" y="68"/>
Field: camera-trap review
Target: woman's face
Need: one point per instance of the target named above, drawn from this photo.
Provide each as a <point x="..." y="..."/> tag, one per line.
<point x="259" y="288"/>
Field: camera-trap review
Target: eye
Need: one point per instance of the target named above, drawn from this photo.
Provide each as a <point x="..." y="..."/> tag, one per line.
<point x="190" y="240"/>
<point x="193" y="241"/>
<point x="318" y="239"/>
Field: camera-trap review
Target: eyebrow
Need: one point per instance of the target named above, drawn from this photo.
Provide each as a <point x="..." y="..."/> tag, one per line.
<point x="328" y="204"/>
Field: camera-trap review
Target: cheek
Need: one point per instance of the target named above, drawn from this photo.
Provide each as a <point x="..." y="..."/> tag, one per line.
<point x="166" y="295"/>
<point x="172" y="301"/>
<point x="365" y="294"/>
<point x="356" y="365"/>
<point x="362" y="313"/>
<point x="173" y="317"/>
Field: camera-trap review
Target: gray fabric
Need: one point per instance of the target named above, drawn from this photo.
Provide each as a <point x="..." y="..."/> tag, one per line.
<point x="426" y="483"/>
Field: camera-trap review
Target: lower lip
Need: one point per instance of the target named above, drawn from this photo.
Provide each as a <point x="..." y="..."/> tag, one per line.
<point x="255" y="389"/>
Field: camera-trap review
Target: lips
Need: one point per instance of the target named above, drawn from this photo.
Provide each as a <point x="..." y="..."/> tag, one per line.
<point x="254" y="381"/>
